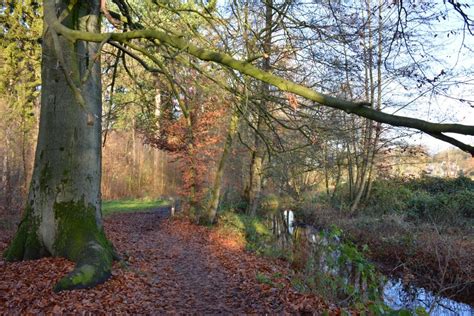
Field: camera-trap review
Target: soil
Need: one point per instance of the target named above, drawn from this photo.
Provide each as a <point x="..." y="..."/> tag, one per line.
<point x="168" y="266"/>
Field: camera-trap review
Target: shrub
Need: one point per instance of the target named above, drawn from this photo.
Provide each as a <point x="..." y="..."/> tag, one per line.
<point x="234" y="201"/>
<point x="286" y="202"/>
<point x="270" y="204"/>
<point x="441" y="208"/>
<point x="435" y="185"/>
<point x="439" y="200"/>
<point x="388" y="197"/>
<point x="304" y="206"/>
<point x="310" y="204"/>
<point x="257" y="235"/>
<point x="419" y="204"/>
<point x="465" y="201"/>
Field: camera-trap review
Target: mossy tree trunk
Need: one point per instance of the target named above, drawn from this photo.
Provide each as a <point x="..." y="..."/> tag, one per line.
<point x="255" y="179"/>
<point x="63" y="213"/>
<point x="210" y="213"/>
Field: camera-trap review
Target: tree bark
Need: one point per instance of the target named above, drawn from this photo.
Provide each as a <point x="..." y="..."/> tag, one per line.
<point x="256" y="173"/>
<point x="63" y="213"/>
<point x="209" y="216"/>
<point x="258" y="154"/>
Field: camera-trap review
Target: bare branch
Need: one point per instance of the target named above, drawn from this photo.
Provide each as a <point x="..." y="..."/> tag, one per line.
<point x="136" y="57"/>
<point x="110" y="18"/>
<point x="181" y="43"/>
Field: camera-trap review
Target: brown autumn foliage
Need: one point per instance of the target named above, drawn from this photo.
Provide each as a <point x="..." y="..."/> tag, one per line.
<point x="169" y="266"/>
<point x="194" y="142"/>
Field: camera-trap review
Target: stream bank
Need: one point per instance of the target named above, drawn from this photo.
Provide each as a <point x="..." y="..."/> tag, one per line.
<point x="400" y="290"/>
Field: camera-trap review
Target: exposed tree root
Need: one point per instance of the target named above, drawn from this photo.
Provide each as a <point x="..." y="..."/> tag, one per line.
<point x="93" y="267"/>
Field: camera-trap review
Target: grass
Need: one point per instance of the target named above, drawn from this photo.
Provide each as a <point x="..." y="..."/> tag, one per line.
<point x="253" y="228"/>
<point x="263" y="279"/>
<point x="255" y="232"/>
<point x="131" y="205"/>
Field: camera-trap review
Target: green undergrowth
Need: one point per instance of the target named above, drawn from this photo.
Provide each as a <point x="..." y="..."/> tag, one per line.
<point x="363" y="295"/>
<point x="443" y="201"/>
<point x="131" y="205"/>
<point x="253" y="228"/>
<point x="255" y="231"/>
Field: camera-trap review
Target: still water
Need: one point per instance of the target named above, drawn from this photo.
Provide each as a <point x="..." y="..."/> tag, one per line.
<point x="398" y="296"/>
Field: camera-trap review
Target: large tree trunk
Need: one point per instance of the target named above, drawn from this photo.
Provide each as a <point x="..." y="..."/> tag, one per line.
<point x="63" y="213"/>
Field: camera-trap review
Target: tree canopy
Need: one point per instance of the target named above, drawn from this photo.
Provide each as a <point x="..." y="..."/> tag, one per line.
<point x="183" y="42"/>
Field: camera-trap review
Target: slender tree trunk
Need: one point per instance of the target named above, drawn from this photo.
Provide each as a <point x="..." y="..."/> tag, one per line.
<point x="4" y="175"/>
<point x="350" y="172"/>
<point x="379" y="97"/>
<point x="337" y="181"/>
<point x="133" y="170"/>
<point x="8" y="172"/>
<point x="256" y="168"/>
<point x="373" y="133"/>
<point x="63" y="213"/>
<point x="163" y="173"/>
<point x="211" y="209"/>
<point x="193" y="206"/>
<point x="24" y="161"/>
<point x="367" y="147"/>
<point x="256" y="173"/>
<point x="326" y="168"/>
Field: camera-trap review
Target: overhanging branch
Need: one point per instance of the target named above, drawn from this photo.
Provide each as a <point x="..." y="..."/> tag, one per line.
<point x="183" y="44"/>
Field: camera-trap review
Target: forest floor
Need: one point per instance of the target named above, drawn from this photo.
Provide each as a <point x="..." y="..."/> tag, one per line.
<point x="169" y="266"/>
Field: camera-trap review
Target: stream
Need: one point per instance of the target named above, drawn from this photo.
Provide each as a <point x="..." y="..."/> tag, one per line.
<point x="396" y="294"/>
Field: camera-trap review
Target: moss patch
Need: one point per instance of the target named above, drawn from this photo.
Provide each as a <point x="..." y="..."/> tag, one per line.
<point x="87" y="275"/>
<point x="76" y="227"/>
<point x="26" y="244"/>
<point x="81" y="240"/>
<point x="16" y="248"/>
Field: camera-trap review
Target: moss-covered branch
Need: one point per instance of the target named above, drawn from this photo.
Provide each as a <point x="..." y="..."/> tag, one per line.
<point x="183" y="44"/>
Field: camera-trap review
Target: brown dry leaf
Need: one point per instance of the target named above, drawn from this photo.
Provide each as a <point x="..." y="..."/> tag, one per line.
<point x="172" y="266"/>
<point x="292" y="100"/>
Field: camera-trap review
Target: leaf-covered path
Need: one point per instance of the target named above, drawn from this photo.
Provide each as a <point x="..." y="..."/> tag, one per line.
<point x="171" y="266"/>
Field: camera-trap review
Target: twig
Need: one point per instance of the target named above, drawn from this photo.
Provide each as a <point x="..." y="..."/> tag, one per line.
<point x="94" y="60"/>
<point x="110" y="18"/>
<point x="136" y="57"/>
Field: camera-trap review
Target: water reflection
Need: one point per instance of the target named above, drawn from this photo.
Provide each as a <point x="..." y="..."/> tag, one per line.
<point x="398" y="296"/>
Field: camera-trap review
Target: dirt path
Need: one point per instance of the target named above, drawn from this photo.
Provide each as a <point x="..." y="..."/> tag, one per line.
<point x="171" y="266"/>
<point x="180" y="268"/>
